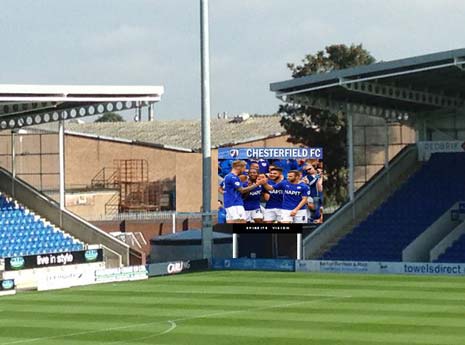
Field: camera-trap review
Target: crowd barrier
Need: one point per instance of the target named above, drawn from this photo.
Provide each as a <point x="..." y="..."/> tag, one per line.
<point x="254" y="264"/>
<point x="53" y="259"/>
<point x="61" y="277"/>
<point x="361" y="267"/>
<point x="409" y="268"/>
<point x="174" y="267"/>
<point x="7" y="287"/>
<point x="50" y="278"/>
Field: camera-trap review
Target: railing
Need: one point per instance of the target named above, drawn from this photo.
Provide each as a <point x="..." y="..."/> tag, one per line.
<point x="133" y="239"/>
<point x="112" y="206"/>
<point x="159" y="215"/>
<point x="106" y="178"/>
<point x="69" y="222"/>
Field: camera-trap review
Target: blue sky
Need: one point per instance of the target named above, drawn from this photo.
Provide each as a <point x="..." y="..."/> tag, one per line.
<point x="156" y="42"/>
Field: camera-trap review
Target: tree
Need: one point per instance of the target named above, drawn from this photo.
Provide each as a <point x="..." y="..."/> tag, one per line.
<point x="312" y="127"/>
<point x="110" y="117"/>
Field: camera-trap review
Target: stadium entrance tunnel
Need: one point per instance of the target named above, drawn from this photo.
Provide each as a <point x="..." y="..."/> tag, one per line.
<point x="187" y="245"/>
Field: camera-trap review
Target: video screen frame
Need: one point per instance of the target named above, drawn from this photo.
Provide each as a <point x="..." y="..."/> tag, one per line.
<point x="263" y="187"/>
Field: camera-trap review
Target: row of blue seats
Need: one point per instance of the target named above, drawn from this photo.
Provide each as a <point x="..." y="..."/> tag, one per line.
<point x="8" y="206"/>
<point x="20" y="251"/>
<point x="32" y="240"/>
<point x="31" y="233"/>
<point x="19" y="227"/>
<point x="6" y="218"/>
<point x="19" y="221"/>
<point x="36" y="245"/>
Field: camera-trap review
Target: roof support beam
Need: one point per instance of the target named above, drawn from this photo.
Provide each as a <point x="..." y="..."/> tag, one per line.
<point x="459" y="62"/>
<point x="404" y="94"/>
<point x="13" y="108"/>
<point x="65" y="111"/>
<point x="334" y="106"/>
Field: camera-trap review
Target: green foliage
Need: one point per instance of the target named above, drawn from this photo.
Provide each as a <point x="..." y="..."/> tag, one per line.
<point x="110" y="117"/>
<point x="312" y="127"/>
<point x="336" y="56"/>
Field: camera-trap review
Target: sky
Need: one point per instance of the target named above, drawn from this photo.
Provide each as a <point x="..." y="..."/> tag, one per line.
<point x="157" y="42"/>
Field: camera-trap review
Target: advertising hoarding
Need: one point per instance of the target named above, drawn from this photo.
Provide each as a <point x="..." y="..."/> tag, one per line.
<point x="53" y="259"/>
<point x="175" y="267"/>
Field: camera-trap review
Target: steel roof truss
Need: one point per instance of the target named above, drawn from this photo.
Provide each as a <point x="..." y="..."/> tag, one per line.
<point x="405" y="94"/>
<point x="328" y="104"/>
<point x="64" y="111"/>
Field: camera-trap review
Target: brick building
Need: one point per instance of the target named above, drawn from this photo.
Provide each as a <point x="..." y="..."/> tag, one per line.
<point x="170" y="151"/>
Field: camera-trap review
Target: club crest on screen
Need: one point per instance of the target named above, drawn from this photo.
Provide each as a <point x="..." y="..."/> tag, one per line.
<point x="234" y="153"/>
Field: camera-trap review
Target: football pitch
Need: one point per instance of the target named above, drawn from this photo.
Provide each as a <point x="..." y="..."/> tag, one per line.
<point x="225" y="307"/>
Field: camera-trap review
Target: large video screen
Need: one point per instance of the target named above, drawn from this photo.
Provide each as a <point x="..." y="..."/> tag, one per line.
<point x="270" y="187"/>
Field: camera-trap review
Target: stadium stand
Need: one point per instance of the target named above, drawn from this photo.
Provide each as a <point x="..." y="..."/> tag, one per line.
<point x="422" y="199"/>
<point x="22" y="232"/>
<point x="455" y="253"/>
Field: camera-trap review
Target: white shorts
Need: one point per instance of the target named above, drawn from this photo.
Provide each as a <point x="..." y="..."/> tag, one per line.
<point x="254" y="214"/>
<point x="235" y="213"/>
<point x="272" y="214"/>
<point x="300" y="217"/>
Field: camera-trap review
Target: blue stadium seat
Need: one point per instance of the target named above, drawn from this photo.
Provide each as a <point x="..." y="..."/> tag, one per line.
<point x="455" y="253"/>
<point x="422" y="199"/>
<point x="22" y="234"/>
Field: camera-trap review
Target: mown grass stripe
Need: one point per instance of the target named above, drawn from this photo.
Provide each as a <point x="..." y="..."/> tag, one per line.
<point x="333" y="284"/>
<point x="308" y="335"/>
<point x="244" y="308"/>
<point x="380" y="324"/>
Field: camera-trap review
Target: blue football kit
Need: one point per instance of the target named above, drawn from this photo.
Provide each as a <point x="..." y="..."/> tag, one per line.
<point x="232" y="196"/>
<point x="292" y="193"/>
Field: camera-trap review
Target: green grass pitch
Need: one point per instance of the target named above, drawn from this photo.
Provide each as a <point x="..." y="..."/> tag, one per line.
<point x="226" y="307"/>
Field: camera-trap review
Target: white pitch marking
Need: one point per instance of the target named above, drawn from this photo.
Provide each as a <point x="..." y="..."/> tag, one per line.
<point x="172" y="327"/>
<point x="173" y="324"/>
<point x="81" y="333"/>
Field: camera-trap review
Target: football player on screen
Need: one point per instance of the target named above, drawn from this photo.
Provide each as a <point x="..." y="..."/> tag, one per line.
<point x="274" y="198"/>
<point x="295" y="197"/>
<point x="233" y="190"/>
<point x="252" y="198"/>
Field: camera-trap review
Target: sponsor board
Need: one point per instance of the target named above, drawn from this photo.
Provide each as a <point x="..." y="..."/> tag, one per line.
<point x="431" y="268"/>
<point x="7" y="284"/>
<point x="7" y="293"/>
<point x="174" y="267"/>
<point x="270" y="152"/>
<point x="29" y="279"/>
<point x="53" y="259"/>
<point x="22" y="281"/>
<point x="254" y="264"/>
<point x="417" y="268"/>
<point x="120" y="274"/>
<point x="336" y="266"/>
<point x="65" y="279"/>
<point x="264" y="228"/>
<point x="427" y="148"/>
